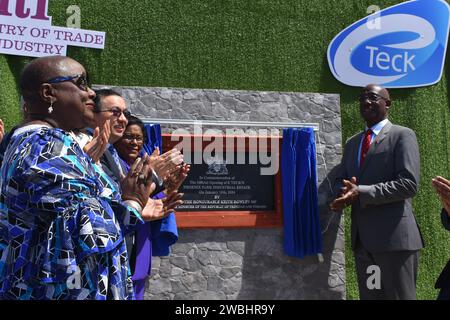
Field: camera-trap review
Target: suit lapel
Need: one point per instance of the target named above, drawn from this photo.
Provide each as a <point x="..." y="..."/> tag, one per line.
<point x="373" y="147"/>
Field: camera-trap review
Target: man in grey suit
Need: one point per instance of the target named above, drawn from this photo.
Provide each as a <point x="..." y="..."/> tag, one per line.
<point x="378" y="176"/>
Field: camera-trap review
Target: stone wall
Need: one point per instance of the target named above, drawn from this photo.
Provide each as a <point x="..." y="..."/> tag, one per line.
<point x="249" y="263"/>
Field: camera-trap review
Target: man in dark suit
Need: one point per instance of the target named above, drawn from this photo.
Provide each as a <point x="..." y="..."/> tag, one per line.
<point x="378" y="176"/>
<point x="442" y="187"/>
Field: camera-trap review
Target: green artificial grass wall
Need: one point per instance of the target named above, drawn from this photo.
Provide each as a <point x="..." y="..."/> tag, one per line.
<point x="256" y="45"/>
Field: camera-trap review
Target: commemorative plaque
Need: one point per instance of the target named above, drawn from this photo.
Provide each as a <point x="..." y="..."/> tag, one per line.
<point x="231" y="187"/>
<point x="216" y="185"/>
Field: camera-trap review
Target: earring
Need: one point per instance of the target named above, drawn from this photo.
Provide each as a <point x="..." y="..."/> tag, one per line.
<point x="50" y="109"/>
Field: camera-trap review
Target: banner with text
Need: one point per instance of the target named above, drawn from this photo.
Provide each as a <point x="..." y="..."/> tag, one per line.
<point x="26" y="30"/>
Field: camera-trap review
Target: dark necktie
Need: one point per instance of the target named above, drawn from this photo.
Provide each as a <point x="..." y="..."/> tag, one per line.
<point x="365" y="147"/>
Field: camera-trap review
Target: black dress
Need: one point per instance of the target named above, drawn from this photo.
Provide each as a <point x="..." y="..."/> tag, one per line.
<point x="443" y="282"/>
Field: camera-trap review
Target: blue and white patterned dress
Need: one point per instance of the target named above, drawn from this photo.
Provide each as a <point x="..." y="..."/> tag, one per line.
<point x="62" y="223"/>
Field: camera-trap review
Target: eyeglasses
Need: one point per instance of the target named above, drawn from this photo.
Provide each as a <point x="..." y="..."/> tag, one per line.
<point x="130" y="137"/>
<point x="82" y="81"/>
<point x="116" y="112"/>
<point x="372" y="96"/>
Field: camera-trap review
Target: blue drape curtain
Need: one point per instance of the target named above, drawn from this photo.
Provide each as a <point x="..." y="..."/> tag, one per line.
<point x="302" y="231"/>
<point x="164" y="232"/>
<point x="153" y="138"/>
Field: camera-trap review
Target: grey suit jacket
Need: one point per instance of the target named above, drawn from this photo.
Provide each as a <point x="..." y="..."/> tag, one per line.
<point x="383" y="217"/>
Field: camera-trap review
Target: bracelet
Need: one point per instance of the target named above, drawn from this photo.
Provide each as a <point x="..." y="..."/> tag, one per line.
<point x="134" y="204"/>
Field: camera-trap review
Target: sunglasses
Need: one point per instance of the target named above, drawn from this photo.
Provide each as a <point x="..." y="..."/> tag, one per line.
<point x="371" y="96"/>
<point x="116" y="112"/>
<point x="80" y="80"/>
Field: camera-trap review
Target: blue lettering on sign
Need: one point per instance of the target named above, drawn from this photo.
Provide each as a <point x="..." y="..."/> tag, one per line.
<point x="406" y="50"/>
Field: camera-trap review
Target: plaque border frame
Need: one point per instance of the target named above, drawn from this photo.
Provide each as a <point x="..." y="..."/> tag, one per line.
<point x="232" y="219"/>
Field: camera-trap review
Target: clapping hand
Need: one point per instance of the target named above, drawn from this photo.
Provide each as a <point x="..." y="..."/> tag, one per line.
<point x="172" y="201"/>
<point x="349" y="194"/>
<point x="153" y="210"/>
<point x="166" y="163"/>
<point x="159" y="209"/>
<point x="97" y="146"/>
<point x="176" y="178"/>
<point x="442" y="187"/>
<point x="137" y="184"/>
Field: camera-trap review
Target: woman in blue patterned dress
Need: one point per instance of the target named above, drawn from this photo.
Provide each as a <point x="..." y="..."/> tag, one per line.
<point x="62" y="223"/>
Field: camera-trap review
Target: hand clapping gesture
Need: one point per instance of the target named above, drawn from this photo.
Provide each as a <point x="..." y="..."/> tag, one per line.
<point x="161" y="208"/>
<point x="176" y="179"/>
<point x="442" y="187"/>
<point x="349" y="195"/>
<point x="137" y="185"/>
<point x="166" y="163"/>
<point x="97" y="146"/>
<point x="175" y="174"/>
